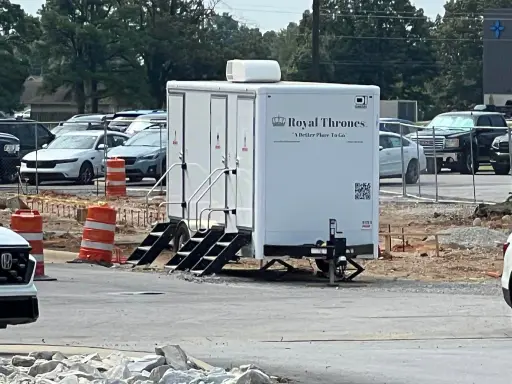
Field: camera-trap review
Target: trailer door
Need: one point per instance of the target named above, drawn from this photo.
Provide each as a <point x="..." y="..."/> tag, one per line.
<point x="245" y="159"/>
<point x="175" y="150"/>
<point x="218" y="153"/>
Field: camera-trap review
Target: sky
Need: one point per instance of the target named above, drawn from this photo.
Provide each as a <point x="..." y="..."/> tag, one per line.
<point x="265" y="14"/>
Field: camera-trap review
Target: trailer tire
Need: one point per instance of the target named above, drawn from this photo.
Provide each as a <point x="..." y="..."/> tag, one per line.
<point x="181" y="237"/>
<point x="322" y="265"/>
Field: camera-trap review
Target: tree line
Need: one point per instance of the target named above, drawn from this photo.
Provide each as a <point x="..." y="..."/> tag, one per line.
<point x="127" y="49"/>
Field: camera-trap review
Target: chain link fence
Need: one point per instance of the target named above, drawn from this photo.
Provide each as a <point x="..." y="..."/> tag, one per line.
<point x="70" y="156"/>
<point x="463" y="163"/>
<point x="457" y="163"/>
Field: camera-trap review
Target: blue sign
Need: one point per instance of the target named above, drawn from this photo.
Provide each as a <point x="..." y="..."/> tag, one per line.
<point x="497" y="28"/>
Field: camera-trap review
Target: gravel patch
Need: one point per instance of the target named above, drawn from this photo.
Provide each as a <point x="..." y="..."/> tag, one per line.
<point x="428" y="209"/>
<point x="473" y="237"/>
<point x="169" y="365"/>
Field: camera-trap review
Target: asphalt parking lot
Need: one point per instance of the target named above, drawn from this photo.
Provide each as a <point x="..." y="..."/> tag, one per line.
<point x="450" y="186"/>
<point x="369" y="332"/>
<point x="488" y="187"/>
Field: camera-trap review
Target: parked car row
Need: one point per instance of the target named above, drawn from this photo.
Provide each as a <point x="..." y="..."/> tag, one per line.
<point x="461" y="141"/>
<point x="129" y="122"/>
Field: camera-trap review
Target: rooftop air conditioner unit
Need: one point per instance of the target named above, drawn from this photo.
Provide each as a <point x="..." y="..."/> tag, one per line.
<point x="253" y="71"/>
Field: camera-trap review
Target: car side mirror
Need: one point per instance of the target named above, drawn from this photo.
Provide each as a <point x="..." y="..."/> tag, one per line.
<point x="44" y="146"/>
<point x="381" y="147"/>
<point x="102" y="147"/>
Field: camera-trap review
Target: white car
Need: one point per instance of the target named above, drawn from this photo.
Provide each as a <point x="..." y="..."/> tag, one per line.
<point x="390" y="158"/>
<point x="143" y="122"/>
<point x="18" y="294"/>
<point x="506" y="276"/>
<point x="73" y="156"/>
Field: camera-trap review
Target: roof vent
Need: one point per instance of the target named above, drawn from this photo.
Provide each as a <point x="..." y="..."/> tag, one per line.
<point x="253" y="71"/>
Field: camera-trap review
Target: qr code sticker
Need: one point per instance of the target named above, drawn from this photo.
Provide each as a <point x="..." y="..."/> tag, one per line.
<point x="363" y="191"/>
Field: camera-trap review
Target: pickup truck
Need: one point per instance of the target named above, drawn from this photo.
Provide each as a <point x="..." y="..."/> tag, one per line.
<point x="18" y="294"/>
<point x="460" y="141"/>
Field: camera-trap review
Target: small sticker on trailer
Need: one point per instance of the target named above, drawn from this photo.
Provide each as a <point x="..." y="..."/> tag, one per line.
<point x="366" y="224"/>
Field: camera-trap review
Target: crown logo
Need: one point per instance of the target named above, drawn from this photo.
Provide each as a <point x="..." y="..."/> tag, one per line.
<point x="278" y="121"/>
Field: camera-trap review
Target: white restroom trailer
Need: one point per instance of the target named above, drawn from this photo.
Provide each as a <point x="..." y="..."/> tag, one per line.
<point x="286" y="162"/>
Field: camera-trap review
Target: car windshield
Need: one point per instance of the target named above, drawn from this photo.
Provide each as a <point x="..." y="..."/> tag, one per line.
<point x="452" y="122"/>
<point x="73" y="142"/>
<point x="69" y="127"/>
<point x="148" y="138"/>
<point x="95" y="119"/>
<point x="122" y="120"/>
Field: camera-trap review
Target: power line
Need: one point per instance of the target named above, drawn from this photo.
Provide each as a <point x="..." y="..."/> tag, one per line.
<point x="404" y="38"/>
<point x="374" y="14"/>
<point x="396" y="64"/>
<point x="267" y="8"/>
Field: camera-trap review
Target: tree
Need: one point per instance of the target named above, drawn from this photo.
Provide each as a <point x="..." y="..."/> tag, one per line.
<point x="370" y="42"/>
<point x="284" y="44"/>
<point x="227" y="39"/>
<point x="166" y="38"/>
<point x="80" y="51"/>
<point x="17" y="32"/>
<point x="459" y="48"/>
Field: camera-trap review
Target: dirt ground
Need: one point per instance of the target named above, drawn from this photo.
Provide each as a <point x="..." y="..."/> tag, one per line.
<point x="410" y="256"/>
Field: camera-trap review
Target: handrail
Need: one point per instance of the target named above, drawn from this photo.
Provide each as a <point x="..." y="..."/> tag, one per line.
<point x="204" y="182"/>
<point x="209" y="215"/>
<point x="204" y="193"/>
<point x="199" y="188"/>
<point x="158" y="183"/>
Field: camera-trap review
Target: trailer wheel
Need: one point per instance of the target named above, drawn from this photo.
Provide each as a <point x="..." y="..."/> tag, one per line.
<point x="322" y="265"/>
<point x="181" y="237"/>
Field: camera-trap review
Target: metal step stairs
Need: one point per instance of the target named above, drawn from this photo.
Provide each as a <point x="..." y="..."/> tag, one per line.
<point x="221" y="253"/>
<point x="190" y="252"/>
<point x="155" y="242"/>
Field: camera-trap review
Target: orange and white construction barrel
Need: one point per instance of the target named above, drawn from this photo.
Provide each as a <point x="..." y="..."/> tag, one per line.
<point x="116" y="177"/>
<point x="29" y="224"/>
<point x="98" y="235"/>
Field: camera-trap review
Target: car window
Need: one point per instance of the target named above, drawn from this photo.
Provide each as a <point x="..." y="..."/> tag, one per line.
<point x="484" y="121"/>
<point x="73" y="142"/>
<point x="149" y="138"/>
<point x="498" y="121"/>
<point x="26" y="132"/>
<point x="110" y="141"/>
<point x="117" y="140"/>
<point x="384" y="141"/>
<point x="455" y="122"/>
<point x="6" y="127"/>
<point x="405" y="142"/>
<point x="395" y="142"/>
<point x="101" y="140"/>
<point x="42" y="132"/>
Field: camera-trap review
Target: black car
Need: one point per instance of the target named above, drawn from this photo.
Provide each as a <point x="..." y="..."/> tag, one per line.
<point x="9" y="157"/>
<point x="452" y="133"/>
<point x="32" y="134"/>
<point x="500" y="156"/>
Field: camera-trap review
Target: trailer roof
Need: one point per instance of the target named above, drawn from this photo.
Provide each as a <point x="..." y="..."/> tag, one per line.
<point x="282" y="86"/>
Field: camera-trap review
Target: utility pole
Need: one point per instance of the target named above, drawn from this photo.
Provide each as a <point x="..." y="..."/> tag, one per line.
<point x="315" y="43"/>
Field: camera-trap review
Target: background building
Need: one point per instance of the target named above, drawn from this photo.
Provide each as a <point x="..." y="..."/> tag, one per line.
<point x="497" y="57"/>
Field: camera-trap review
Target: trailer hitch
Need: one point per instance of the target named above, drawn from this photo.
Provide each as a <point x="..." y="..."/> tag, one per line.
<point x="337" y="256"/>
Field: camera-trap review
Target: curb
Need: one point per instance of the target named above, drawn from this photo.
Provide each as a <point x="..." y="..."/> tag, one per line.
<point x="23" y="349"/>
<point x="432" y="200"/>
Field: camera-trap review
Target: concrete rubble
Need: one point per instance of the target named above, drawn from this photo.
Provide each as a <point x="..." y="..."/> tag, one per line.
<point x="169" y="365"/>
